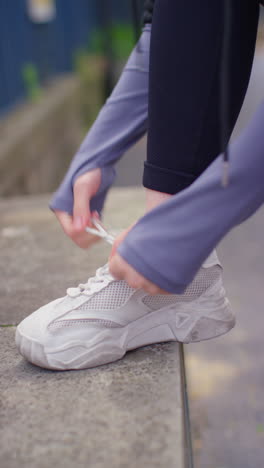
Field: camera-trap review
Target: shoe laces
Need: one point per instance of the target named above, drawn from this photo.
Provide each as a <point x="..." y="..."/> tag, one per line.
<point x="102" y="276"/>
<point x="100" y="231"/>
<point x="94" y="284"/>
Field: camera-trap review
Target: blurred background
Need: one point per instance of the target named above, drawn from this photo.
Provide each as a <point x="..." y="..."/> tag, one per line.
<point x="59" y="60"/>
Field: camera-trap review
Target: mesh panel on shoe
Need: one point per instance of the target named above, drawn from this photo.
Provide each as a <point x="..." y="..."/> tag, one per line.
<point x="110" y="298"/>
<point x="205" y="278"/>
<point x="83" y="322"/>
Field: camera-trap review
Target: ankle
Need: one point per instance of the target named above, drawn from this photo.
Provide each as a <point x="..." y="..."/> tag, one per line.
<point x="154" y="199"/>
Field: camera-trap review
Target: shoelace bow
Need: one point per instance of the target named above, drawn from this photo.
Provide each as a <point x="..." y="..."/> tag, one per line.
<point x="102" y="276"/>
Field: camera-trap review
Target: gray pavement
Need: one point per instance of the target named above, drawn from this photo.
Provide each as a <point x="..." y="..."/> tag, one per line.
<point x="226" y="377"/>
<point x="121" y="415"/>
<point x="130" y="167"/>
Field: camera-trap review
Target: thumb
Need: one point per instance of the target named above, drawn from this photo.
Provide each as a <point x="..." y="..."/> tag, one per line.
<point x="81" y="207"/>
<point x="84" y="189"/>
<point x="119" y="241"/>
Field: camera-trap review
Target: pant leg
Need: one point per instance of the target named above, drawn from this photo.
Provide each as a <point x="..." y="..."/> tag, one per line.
<point x="184" y="93"/>
<point x="120" y="124"/>
<point x="184" y="230"/>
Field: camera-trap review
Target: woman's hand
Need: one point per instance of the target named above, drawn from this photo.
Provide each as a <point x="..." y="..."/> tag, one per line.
<point x="85" y="187"/>
<point x="121" y="270"/>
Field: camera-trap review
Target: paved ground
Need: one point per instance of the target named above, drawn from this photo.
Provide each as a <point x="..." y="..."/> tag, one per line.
<point x="226" y="375"/>
<point x="226" y="378"/>
<point x="121" y="415"/>
<point x="130" y="167"/>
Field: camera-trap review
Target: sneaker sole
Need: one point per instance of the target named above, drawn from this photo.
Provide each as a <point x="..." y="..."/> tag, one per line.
<point x="192" y="324"/>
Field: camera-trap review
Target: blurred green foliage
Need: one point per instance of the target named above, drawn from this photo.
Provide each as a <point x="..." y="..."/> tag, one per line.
<point x="89" y="64"/>
<point x="121" y="39"/>
<point x="260" y="428"/>
<point x="31" y="81"/>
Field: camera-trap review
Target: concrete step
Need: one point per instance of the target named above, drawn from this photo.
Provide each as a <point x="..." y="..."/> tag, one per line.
<point x="120" y="415"/>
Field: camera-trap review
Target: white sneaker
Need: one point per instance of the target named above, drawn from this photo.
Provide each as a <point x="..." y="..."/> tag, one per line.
<point x="100" y="321"/>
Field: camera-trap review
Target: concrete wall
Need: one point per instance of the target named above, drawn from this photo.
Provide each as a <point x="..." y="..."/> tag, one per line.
<point x="38" y="139"/>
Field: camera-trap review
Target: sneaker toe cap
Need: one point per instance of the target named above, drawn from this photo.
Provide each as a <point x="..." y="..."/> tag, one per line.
<point x="35" y="325"/>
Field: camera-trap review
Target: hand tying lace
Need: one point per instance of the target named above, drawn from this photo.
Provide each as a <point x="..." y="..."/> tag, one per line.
<point x="100" y="231"/>
<point x="102" y="276"/>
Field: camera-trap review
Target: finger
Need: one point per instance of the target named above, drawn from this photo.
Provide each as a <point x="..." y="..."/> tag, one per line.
<point x="119" y="239"/>
<point x="81" y="207"/>
<point x="96" y="215"/>
<point x="85" y="187"/>
<point x="115" y="269"/>
<point x="121" y="270"/>
<point x="153" y="289"/>
<point x="66" y="221"/>
<point x="85" y="240"/>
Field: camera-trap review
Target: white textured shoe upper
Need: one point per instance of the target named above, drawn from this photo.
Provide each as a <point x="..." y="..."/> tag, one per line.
<point x="104" y="302"/>
<point x="97" y="322"/>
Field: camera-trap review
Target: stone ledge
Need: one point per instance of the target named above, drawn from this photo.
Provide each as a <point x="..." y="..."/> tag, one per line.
<point x="121" y="415"/>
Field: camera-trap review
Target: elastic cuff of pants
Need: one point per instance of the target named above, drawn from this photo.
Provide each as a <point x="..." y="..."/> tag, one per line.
<point x="165" y="180"/>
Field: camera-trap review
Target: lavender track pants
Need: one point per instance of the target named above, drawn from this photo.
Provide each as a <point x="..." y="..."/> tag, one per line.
<point x="170" y="243"/>
<point x="191" y="223"/>
<point x="120" y="124"/>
